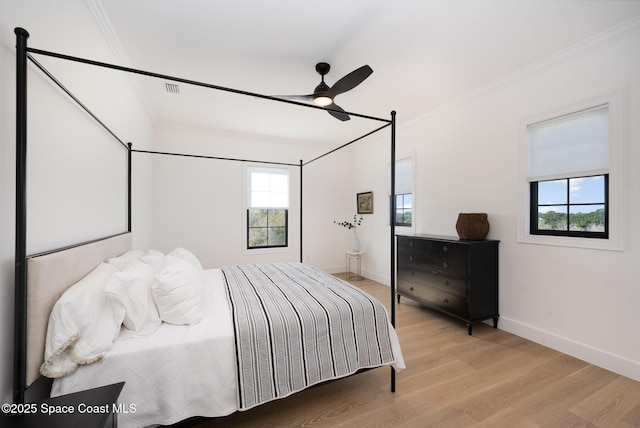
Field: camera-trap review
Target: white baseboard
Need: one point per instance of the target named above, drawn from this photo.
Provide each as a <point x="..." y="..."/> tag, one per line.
<point x="598" y="357"/>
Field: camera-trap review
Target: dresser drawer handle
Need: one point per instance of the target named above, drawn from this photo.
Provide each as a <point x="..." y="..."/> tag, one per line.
<point x="445" y="249"/>
<point x="445" y="265"/>
<point x="410" y="288"/>
<point x="412" y="273"/>
<point x="411" y="244"/>
<point x="411" y="258"/>
<point x="446" y="301"/>
<point x="446" y="283"/>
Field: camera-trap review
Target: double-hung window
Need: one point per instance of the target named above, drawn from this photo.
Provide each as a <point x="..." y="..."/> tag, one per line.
<point x="404" y="193"/>
<point x="267" y="207"/>
<point x="568" y="174"/>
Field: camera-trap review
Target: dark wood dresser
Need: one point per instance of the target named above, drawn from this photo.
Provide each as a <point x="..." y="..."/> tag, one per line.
<point x="454" y="276"/>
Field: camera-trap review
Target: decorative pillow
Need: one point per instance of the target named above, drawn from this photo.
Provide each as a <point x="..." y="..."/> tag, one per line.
<point x="131" y="289"/>
<point x="83" y="324"/>
<point x="186" y="255"/>
<point x="155" y="259"/>
<point x="123" y="260"/>
<point x="178" y="292"/>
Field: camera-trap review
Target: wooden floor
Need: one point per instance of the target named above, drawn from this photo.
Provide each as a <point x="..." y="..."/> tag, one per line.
<point x="490" y="379"/>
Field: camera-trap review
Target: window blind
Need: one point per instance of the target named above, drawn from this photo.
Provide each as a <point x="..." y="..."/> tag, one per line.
<point x="268" y="188"/>
<point x="404" y="176"/>
<point x="573" y="145"/>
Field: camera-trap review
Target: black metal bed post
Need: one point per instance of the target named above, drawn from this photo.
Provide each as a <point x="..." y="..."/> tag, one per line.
<point x="129" y="187"/>
<point x="393" y="234"/>
<point x="301" y="167"/>
<point x="20" y="315"/>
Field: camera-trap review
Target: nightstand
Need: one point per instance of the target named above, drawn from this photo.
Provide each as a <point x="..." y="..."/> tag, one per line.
<point x="354" y="256"/>
<point x="93" y="408"/>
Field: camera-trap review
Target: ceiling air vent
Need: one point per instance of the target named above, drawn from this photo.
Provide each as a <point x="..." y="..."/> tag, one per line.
<point x="172" y="88"/>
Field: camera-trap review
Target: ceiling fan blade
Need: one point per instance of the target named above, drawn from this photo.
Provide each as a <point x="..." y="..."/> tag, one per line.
<point x="340" y="114"/>
<point x="350" y="81"/>
<point x="303" y="98"/>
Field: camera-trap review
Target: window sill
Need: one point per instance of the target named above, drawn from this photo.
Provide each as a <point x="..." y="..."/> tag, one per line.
<point x="273" y="250"/>
<point x="566" y="241"/>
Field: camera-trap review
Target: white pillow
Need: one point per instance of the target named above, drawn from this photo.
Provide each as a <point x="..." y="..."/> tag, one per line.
<point x="155" y="259"/>
<point x="178" y="292"/>
<point x="123" y="260"/>
<point x="131" y="288"/>
<point x="83" y="324"/>
<point x="187" y="255"/>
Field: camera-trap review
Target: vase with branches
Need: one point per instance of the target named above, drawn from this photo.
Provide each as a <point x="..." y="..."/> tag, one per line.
<point x="352" y="225"/>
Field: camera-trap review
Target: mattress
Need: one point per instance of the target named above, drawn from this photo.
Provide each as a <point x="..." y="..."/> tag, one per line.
<point x="175" y="373"/>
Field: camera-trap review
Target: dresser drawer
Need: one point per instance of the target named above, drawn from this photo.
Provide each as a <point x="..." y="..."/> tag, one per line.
<point x="427" y="262"/>
<point x="434" y="279"/>
<point x="436" y="248"/>
<point x="448" y="249"/>
<point x="434" y="296"/>
<point x="410" y="244"/>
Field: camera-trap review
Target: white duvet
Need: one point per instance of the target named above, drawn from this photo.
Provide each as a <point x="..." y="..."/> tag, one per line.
<point x="175" y="373"/>
<point x="179" y="371"/>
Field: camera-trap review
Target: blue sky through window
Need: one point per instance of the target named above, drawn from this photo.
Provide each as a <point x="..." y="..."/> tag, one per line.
<point x="581" y="190"/>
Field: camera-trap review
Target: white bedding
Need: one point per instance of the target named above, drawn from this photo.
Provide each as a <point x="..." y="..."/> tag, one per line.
<point x="162" y="372"/>
<point x="179" y="371"/>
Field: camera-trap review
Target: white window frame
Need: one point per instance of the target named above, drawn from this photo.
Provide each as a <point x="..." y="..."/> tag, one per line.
<point x="615" y="242"/>
<point x="246" y="186"/>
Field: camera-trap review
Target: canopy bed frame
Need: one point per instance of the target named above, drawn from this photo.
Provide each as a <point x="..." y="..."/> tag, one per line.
<point x="23" y="342"/>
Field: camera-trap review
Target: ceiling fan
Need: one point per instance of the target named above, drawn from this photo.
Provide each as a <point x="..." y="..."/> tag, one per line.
<point x="323" y="94"/>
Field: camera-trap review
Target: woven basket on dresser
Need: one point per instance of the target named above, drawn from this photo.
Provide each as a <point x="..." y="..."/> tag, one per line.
<point x="472" y="226"/>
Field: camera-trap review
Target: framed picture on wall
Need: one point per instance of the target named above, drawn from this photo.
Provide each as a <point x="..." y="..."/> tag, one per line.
<point x="365" y="203"/>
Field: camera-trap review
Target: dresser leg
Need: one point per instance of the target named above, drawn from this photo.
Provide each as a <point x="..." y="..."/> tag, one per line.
<point x="398" y="298"/>
<point x="470" y="328"/>
<point x="495" y="322"/>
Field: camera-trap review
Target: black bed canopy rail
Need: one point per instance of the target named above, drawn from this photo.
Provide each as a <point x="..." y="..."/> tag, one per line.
<point x="195" y="83"/>
<point x="350" y="142"/>
<point x="74" y="98"/>
<point x="153" y="152"/>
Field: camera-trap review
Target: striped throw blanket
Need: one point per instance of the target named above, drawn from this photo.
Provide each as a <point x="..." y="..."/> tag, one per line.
<point x="296" y="326"/>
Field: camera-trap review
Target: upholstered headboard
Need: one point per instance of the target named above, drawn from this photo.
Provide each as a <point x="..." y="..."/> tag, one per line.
<point x="48" y="276"/>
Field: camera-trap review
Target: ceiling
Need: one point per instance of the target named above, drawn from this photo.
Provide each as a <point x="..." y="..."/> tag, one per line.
<point x="424" y="53"/>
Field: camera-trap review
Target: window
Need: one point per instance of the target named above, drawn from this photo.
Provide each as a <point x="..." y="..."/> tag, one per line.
<point x="404" y="209"/>
<point x="571" y="207"/>
<point x="404" y="192"/>
<point x="568" y="174"/>
<point x="571" y="175"/>
<point x="267" y="211"/>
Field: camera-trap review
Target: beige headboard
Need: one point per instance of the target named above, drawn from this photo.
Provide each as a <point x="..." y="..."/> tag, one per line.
<point x="48" y="276"/>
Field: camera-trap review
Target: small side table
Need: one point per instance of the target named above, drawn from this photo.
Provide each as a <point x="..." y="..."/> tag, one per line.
<point x="93" y="408"/>
<point x="357" y="257"/>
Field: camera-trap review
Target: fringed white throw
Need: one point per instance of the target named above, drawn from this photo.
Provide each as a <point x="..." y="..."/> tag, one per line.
<point x="296" y="326"/>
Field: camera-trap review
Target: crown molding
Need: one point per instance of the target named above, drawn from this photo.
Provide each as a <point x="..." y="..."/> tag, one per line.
<point x="589" y="45"/>
<point x="115" y="45"/>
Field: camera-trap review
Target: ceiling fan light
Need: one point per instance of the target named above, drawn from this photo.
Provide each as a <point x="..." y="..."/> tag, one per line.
<point x="322" y="100"/>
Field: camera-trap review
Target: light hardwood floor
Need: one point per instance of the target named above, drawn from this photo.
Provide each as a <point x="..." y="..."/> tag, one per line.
<point x="490" y="379"/>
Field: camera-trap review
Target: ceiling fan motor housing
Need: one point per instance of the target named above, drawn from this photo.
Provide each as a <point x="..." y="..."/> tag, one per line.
<point x="322" y="68"/>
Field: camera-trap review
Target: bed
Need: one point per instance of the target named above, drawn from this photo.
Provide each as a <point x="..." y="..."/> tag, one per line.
<point x="265" y="332"/>
<point x="177" y="392"/>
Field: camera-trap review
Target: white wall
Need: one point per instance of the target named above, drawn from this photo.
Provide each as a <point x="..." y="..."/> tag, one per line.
<point x="76" y="180"/>
<point x="581" y="301"/>
<point x="199" y="203"/>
